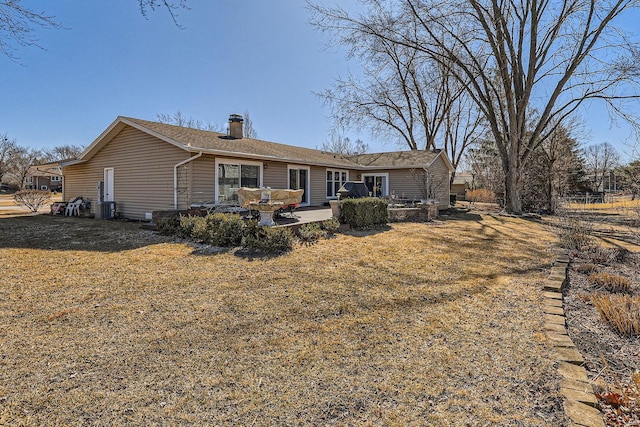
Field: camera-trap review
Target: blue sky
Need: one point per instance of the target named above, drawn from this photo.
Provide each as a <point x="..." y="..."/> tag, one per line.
<point x="232" y="56"/>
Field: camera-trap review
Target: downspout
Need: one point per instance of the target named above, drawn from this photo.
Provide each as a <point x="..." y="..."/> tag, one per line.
<point x="175" y="178"/>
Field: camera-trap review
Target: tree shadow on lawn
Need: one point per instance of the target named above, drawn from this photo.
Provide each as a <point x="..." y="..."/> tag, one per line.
<point x="72" y="233"/>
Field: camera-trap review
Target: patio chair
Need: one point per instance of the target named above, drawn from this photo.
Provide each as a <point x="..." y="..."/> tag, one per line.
<point x="73" y="207"/>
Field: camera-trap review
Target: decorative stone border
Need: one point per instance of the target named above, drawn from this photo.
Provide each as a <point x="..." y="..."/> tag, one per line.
<point x="580" y="403"/>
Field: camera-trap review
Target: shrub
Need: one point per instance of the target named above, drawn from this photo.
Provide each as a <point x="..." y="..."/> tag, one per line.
<point x="310" y="233"/>
<point x="610" y="282"/>
<point x="620" y="311"/>
<point x="187" y="223"/>
<point x="364" y="213"/>
<point x="168" y="226"/>
<point x="331" y="226"/>
<point x="217" y="229"/>
<point x="273" y="240"/>
<point x="32" y="199"/>
<point x="200" y="229"/>
<point x="586" y="268"/>
<point x="229" y="231"/>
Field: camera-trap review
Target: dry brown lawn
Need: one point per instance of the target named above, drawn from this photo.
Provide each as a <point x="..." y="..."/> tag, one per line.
<point x="102" y="323"/>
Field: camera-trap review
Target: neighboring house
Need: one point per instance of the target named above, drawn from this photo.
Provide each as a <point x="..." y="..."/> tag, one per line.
<point x="44" y="177"/>
<point x="462" y="182"/>
<point x="145" y="166"/>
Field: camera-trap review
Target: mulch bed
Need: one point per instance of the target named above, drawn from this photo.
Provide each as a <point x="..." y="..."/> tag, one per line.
<point x="610" y="359"/>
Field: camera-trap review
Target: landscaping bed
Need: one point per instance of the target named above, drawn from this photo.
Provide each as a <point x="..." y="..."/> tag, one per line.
<point x="610" y="358"/>
<point x="610" y="243"/>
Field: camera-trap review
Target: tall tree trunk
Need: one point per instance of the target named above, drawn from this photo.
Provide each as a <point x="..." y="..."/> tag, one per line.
<point x="512" y="202"/>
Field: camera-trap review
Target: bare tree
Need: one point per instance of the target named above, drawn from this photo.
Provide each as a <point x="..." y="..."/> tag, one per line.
<point x="179" y="119"/>
<point x="463" y="128"/>
<point x="402" y="94"/>
<point x="21" y="160"/>
<point x="7" y="151"/>
<point x="600" y="160"/>
<point x="62" y="152"/>
<point x="18" y="24"/>
<point x="170" y="6"/>
<point x="339" y="144"/>
<point x="512" y="57"/>
<point x="249" y="131"/>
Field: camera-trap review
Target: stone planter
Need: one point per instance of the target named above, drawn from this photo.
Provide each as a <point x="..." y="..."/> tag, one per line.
<point x="335" y="208"/>
<point x="424" y="212"/>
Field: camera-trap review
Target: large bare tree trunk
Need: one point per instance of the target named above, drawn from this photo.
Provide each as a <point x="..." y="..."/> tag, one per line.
<point x="512" y="201"/>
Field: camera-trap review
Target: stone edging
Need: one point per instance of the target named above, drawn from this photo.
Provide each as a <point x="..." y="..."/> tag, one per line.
<point x="580" y="403"/>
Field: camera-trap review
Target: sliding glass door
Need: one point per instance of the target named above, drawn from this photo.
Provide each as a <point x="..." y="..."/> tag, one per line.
<point x="299" y="180"/>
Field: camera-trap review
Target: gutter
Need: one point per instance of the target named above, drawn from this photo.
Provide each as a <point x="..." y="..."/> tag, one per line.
<point x="175" y="178"/>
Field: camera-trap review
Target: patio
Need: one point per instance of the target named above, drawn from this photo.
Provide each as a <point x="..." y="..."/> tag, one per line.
<point x="303" y="216"/>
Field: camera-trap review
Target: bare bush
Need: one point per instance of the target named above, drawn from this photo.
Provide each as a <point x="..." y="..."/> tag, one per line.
<point x="586" y="268"/>
<point x="574" y="234"/>
<point x="610" y="282"/>
<point x="607" y="256"/>
<point x="32" y="199"/>
<point x="620" y="311"/>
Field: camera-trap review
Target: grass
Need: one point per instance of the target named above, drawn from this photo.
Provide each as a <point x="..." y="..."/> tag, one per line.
<point x="420" y="324"/>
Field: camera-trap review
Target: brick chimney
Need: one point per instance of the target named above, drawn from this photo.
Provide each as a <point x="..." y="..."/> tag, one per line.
<point x="235" y="126"/>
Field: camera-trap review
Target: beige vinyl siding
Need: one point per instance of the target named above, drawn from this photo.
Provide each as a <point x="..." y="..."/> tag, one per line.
<point x="402" y="183"/>
<point x="143" y="174"/>
<point x="275" y="175"/>
<point x="318" y="186"/>
<point x="204" y="180"/>
<point x="439" y="168"/>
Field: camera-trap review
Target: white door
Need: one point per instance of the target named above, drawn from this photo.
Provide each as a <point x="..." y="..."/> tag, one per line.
<point x="108" y="184"/>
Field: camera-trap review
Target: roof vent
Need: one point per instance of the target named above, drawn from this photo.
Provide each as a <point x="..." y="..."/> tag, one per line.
<point x="235" y="126"/>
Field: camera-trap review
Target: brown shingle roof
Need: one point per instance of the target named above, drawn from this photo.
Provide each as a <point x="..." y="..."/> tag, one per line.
<point x="197" y="139"/>
<point x="396" y="159"/>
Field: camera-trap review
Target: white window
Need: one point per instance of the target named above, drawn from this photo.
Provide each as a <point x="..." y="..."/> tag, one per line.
<point x="335" y="179"/>
<point x="28" y="180"/>
<point x="231" y="175"/>
<point x="377" y="183"/>
<point x="56" y="178"/>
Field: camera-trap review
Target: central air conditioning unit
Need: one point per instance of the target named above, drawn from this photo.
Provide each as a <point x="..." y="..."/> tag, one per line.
<point x="105" y="210"/>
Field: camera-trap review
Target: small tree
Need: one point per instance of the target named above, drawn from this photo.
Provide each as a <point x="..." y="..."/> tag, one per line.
<point x="32" y="199"/>
<point x="429" y="184"/>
